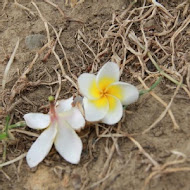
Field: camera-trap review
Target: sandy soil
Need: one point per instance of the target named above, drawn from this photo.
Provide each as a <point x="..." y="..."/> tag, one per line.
<point x="110" y="163"/>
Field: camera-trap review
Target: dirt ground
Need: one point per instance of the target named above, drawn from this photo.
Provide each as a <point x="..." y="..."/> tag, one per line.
<point x="125" y="156"/>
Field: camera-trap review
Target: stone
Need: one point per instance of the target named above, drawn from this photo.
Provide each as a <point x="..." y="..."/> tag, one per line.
<point x="35" y="41"/>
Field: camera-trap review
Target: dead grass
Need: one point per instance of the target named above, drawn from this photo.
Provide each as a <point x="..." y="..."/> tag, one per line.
<point x="139" y="40"/>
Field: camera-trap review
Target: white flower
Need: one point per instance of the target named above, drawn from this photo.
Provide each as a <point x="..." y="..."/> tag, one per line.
<point x="104" y="95"/>
<point x="60" y="126"/>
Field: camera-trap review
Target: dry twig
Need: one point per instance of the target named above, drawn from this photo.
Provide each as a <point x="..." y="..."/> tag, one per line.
<point x="176" y="126"/>
<point x="9" y="65"/>
<point x="164" y="112"/>
<point x="13" y="161"/>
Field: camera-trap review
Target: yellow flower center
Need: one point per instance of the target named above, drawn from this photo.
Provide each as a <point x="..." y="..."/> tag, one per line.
<point x="105" y="95"/>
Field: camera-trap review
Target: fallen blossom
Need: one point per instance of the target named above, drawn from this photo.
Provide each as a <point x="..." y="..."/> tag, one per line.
<point x="104" y="95"/>
<point x="60" y="125"/>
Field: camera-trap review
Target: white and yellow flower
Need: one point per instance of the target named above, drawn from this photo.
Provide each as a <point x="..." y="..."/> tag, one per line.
<point x="60" y="124"/>
<point x="104" y="95"/>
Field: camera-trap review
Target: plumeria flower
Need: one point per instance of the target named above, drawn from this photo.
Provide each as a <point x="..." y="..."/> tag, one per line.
<point x="104" y="95"/>
<point x="60" y="125"/>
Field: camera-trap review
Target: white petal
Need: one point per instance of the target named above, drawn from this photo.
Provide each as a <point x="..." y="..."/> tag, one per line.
<point x="68" y="143"/>
<point x="41" y="147"/>
<point x="37" y="120"/>
<point x="108" y="74"/>
<point x="74" y="118"/>
<point x="115" y="111"/>
<point x="125" y="92"/>
<point x="88" y="87"/>
<point x="95" y="110"/>
<point x="64" y="105"/>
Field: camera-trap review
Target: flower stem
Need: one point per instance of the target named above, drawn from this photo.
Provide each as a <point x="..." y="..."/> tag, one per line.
<point x="7" y="125"/>
<point x="53" y="114"/>
<point x="161" y="71"/>
<point x="19" y="124"/>
<point x="151" y="88"/>
<point x="3" y="136"/>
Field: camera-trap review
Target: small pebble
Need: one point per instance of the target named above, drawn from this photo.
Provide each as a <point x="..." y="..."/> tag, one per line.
<point x="35" y="41"/>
